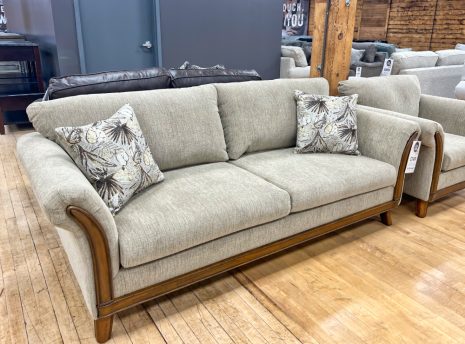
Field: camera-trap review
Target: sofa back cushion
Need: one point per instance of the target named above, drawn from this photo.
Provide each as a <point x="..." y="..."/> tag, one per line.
<point x="196" y="77"/>
<point x="296" y="53"/>
<point x="262" y="115"/>
<point x="182" y="126"/>
<point x="108" y="82"/>
<point x="399" y="93"/>
<point x="451" y="57"/>
<point x="413" y="59"/>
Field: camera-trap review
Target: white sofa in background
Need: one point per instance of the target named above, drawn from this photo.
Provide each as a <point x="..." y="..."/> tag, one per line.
<point x="438" y="72"/>
<point x="294" y="64"/>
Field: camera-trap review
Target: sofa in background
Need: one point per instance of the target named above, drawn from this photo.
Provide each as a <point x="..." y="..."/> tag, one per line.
<point x="294" y="63"/>
<point x="438" y="72"/>
<point x="371" y="66"/>
<point x="145" y="79"/>
<point x="441" y="165"/>
<point x="234" y="190"/>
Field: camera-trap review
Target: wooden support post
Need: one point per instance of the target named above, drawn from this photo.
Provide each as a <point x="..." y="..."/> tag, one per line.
<point x="339" y="35"/>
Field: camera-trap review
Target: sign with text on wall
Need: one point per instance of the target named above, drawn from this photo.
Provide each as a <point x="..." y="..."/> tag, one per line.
<point x="295" y="17"/>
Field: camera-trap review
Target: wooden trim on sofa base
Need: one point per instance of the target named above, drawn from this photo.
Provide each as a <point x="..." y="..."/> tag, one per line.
<point x="435" y="194"/>
<point x="107" y="305"/>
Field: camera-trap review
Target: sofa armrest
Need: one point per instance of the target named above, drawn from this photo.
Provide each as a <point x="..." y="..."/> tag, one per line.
<point x="449" y="112"/>
<point x="287" y="63"/>
<point x="429" y="128"/>
<point x="58" y="183"/>
<point x="383" y="137"/>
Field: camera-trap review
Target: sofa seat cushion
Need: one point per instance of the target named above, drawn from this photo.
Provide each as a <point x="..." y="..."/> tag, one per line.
<point x="454" y="152"/>
<point x="317" y="179"/>
<point x="192" y="206"/>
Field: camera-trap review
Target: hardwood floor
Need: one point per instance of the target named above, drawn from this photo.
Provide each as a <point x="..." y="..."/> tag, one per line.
<point x="367" y="284"/>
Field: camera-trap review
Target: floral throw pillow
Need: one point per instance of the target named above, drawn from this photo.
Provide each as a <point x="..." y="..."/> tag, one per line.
<point x="326" y="124"/>
<point x="113" y="155"/>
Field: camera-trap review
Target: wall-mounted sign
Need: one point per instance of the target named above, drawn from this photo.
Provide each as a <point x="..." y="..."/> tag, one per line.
<point x="295" y="17"/>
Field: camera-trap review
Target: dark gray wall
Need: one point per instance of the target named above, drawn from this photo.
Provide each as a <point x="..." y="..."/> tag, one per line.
<point x="237" y="33"/>
<point x="49" y="23"/>
<point x="65" y="35"/>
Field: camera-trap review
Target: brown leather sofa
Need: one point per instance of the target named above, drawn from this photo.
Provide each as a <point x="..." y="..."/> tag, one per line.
<point x="145" y="79"/>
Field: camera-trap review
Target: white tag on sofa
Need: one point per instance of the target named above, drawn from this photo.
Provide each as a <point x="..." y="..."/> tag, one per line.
<point x="413" y="157"/>
<point x="358" y="72"/>
<point x="387" y="68"/>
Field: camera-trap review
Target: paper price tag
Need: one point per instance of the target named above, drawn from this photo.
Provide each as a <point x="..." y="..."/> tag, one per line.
<point x="413" y="157"/>
<point x="358" y="72"/>
<point x="387" y="68"/>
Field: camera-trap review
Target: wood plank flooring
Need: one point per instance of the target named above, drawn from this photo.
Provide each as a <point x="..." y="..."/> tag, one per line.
<point x="366" y="284"/>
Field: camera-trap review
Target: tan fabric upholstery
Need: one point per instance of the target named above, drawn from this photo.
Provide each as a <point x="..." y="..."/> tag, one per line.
<point x="192" y="206"/>
<point x="450" y="113"/>
<point x="417" y="184"/>
<point x="428" y="127"/>
<point x="454" y="152"/>
<point x="382" y="137"/>
<point x="208" y="212"/>
<point x="182" y="126"/>
<point x="261" y="115"/>
<point x="57" y="183"/>
<point x="451" y="177"/>
<point x="296" y="53"/>
<point x="399" y="93"/>
<point x="77" y="249"/>
<point x="316" y="179"/>
<point x="144" y="275"/>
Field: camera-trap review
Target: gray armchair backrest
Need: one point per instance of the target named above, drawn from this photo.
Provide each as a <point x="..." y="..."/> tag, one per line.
<point x="398" y="93"/>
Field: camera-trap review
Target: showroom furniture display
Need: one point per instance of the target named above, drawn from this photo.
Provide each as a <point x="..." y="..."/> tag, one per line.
<point x="438" y="72"/>
<point x="441" y="164"/>
<point x="370" y="66"/>
<point x="21" y="83"/>
<point x="294" y="64"/>
<point x="234" y="190"/>
<point x="139" y="80"/>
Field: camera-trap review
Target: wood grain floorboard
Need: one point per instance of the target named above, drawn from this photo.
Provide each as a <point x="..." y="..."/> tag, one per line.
<point x="365" y="284"/>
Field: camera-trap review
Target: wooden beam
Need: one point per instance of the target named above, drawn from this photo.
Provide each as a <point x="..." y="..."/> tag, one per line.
<point x="339" y="36"/>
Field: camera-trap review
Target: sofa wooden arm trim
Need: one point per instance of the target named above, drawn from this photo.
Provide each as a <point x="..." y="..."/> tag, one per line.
<point x="434" y="193"/>
<point x="100" y="250"/>
<point x="439" y="153"/>
<point x="107" y="305"/>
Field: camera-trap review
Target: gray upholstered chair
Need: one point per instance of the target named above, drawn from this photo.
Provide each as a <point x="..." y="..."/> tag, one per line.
<point x="441" y="165"/>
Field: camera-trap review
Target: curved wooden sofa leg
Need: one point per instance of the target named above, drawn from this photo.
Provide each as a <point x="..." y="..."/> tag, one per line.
<point x="386" y="218"/>
<point x="102" y="328"/>
<point x="422" y="208"/>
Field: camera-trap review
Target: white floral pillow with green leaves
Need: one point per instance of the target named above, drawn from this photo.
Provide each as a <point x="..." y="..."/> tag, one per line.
<point x="326" y="124"/>
<point x="113" y="155"/>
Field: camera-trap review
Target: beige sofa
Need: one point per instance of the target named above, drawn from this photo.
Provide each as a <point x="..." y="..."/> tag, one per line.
<point x="441" y="164"/>
<point x="294" y="64"/>
<point x="234" y="190"/>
